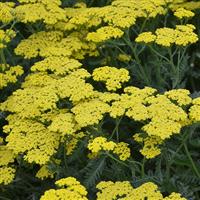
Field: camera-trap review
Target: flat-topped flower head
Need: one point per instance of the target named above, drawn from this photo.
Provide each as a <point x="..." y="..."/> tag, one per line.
<point x="181" y="96"/>
<point x="112" y="76"/>
<point x="109" y="190"/>
<point x="183" y="13"/>
<point x="165" y="36"/>
<point x="49" y="12"/>
<point x="105" y="33"/>
<point x="69" y="189"/>
<point x="100" y="144"/>
<point x="7" y="175"/>
<point x="146" y="37"/>
<point x="185" y="35"/>
<point x="58" y="65"/>
<point x="6" y="36"/>
<point x="9" y="74"/>
<point x="6" y="12"/>
<point x="90" y="112"/>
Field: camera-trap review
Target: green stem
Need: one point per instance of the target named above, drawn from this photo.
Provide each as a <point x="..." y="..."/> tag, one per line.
<point x="171" y="60"/>
<point x="179" y="60"/>
<point x="135" y="162"/>
<point x="134" y="49"/>
<point x="191" y="160"/>
<point x="177" y="80"/>
<point x="64" y="156"/>
<point x="143" y="25"/>
<point x="99" y="126"/>
<point x="116" y="129"/>
<point x="10" y="56"/>
<point x="158" y="67"/>
<point x="175" y="70"/>
<point x="185" y="137"/>
<point x="169" y="164"/>
<point x="4" y="25"/>
<point x="115" y="159"/>
<point x="3" y="60"/>
<point x="143" y="167"/>
<point x="167" y="170"/>
<point x="158" y="54"/>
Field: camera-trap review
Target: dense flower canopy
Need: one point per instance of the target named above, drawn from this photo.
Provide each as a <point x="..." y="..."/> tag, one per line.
<point x="104" y="92"/>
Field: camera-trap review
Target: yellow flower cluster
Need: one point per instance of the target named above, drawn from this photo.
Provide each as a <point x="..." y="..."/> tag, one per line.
<point x="37" y="126"/>
<point x="44" y="173"/>
<point x="7" y="175"/>
<point x="101" y="144"/>
<point x="185" y="35"/>
<point x="112" y="76"/>
<point x="5" y="37"/>
<point x="180" y="96"/>
<point x="174" y="196"/>
<point x="108" y="190"/>
<point x="189" y="5"/>
<point x="63" y="123"/>
<point x="72" y="143"/>
<point x="194" y="111"/>
<point x="122" y="150"/>
<point x="166" y="117"/>
<point x="182" y="35"/>
<point x="7" y="172"/>
<point x="45" y="2"/>
<point x="125" y="191"/>
<point x="165" y="36"/>
<point x="162" y="115"/>
<point x="124" y="57"/>
<point x="183" y="13"/>
<point x="90" y="112"/>
<point x="40" y="79"/>
<point x="9" y="74"/>
<point x="118" y="14"/>
<point x="132" y="103"/>
<point x="108" y="97"/>
<point x="35" y="108"/>
<point x="31" y="138"/>
<point x="56" y="65"/>
<point x="55" y="43"/>
<point x="57" y="101"/>
<point x="47" y="11"/>
<point x="105" y="33"/>
<point x="70" y="189"/>
<point x="39" y="42"/>
<point x="36" y="113"/>
<point x="146" y="37"/>
<point x="42" y="99"/>
<point x="74" y="86"/>
<point x="6" y="12"/>
<point x="129" y="11"/>
<point x="150" y="145"/>
<point x="6" y="156"/>
<point x="31" y="102"/>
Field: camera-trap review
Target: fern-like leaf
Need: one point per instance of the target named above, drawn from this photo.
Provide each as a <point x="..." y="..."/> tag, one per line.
<point x="93" y="171"/>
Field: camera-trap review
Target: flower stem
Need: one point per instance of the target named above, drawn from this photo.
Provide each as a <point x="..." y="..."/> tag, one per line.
<point x="143" y="167"/>
<point x="191" y="160"/>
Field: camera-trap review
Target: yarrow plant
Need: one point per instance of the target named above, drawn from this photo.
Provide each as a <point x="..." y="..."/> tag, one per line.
<point x="99" y="100"/>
